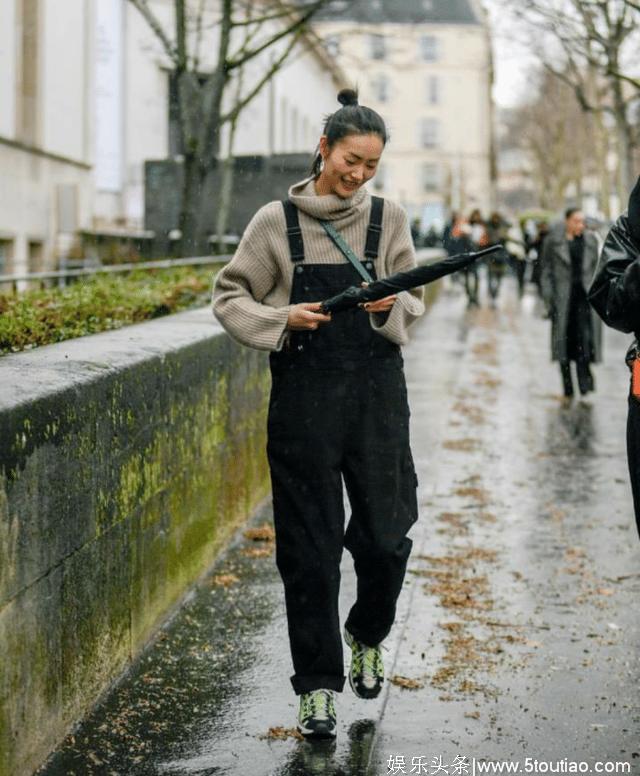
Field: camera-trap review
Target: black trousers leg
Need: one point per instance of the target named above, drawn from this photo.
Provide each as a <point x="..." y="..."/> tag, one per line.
<point x="567" y="381"/>
<point x="585" y="378"/>
<point x="633" y="454"/>
<point x="471" y="284"/>
<point x="381" y="483"/>
<point x="493" y="281"/>
<point x="306" y="433"/>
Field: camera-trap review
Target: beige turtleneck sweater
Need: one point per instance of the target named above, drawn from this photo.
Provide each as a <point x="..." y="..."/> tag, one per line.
<point x="251" y="294"/>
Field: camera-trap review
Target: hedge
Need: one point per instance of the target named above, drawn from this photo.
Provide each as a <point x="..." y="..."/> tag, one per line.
<point x="99" y="303"/>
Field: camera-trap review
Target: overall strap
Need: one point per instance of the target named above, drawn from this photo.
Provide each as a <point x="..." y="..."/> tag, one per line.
<point x="294" y="233"/>
<point x="374" y="229"/>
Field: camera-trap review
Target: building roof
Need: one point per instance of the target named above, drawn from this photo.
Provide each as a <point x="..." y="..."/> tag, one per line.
<point x="400" y="11"/>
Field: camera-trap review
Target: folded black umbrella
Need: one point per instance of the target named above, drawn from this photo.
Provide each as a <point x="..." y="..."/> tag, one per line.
<point x="403" y="281"/>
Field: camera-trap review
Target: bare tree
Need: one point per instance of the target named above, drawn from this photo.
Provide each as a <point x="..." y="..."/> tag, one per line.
<point x="239" y="31"/>
<point x="593" y="45"/>
<point x="561" y="146"/>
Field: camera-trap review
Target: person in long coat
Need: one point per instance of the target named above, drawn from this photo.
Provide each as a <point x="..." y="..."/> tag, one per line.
<point x="569" y="260"/>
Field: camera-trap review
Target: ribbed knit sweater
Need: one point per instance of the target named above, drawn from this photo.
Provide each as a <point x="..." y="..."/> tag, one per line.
<point x="252" y="293"/>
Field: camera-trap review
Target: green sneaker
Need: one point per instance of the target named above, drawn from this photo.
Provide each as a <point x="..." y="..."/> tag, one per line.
<point x="366" y="674"/>
<point x="317" y="716"/>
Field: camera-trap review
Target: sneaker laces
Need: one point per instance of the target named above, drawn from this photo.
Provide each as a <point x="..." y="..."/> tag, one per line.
<point x="367" y="660"/>
<point x="317" y="704"/>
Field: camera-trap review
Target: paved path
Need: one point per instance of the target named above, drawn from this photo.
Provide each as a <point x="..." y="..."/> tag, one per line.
<point x="517" y="632"/>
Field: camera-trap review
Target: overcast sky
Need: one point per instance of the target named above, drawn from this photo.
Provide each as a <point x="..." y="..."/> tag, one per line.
<point x="511" y="60"/>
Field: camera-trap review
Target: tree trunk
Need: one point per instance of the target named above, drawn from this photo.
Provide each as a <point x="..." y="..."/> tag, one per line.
<point x="192" y="187"/>
<point x="602" y="153"/>
<point x="624" y="137"/>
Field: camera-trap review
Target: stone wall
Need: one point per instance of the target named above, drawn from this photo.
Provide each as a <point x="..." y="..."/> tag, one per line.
<point x="127" y="459"/>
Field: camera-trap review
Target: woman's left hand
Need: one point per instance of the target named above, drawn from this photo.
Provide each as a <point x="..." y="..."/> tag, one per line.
<point x="380" y="305"/>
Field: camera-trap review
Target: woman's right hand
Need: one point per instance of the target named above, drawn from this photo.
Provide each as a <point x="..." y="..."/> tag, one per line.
<point x="305" y="316"/>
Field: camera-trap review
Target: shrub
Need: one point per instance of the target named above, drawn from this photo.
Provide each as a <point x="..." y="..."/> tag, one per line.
<point x="99" y="303"/>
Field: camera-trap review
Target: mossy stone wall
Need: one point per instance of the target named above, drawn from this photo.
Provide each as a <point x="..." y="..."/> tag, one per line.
<point x="127" y="459"/>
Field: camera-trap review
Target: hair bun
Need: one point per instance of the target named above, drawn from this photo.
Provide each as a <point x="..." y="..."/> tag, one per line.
<point x="348" y="97"/>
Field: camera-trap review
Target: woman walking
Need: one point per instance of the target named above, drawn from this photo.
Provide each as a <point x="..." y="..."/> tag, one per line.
<point x="338" y="409"/>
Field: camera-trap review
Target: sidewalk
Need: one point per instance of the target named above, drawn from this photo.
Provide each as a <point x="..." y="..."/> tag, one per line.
<point x="517" y="630"/>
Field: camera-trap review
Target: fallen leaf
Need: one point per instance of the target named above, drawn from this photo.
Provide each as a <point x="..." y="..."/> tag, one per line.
<point x="281" y="734"/>
<point x="263" y="533"/>
<point x="257" y="552"/>
<point x="405" y="683"/>
<point x="225" y="580"/>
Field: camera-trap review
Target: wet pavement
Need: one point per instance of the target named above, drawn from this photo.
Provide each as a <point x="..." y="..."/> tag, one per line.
<point x="517" y="633"/>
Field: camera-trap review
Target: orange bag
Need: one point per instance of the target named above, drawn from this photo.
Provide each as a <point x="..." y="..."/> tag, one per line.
<point x="635" y="377"/>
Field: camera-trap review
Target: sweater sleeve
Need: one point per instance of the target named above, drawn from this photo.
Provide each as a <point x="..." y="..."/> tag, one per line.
<point x="242" y="285"/>
<point x="409" y="306"/>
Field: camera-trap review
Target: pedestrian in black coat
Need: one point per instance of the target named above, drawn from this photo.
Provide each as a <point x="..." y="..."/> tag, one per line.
<point x="615" y="295"/>
<point x="569" y="259"/>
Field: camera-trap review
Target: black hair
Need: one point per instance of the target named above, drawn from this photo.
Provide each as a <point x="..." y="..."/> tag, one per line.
<point x="351" y="119"/>
<point x="570" y="211"/>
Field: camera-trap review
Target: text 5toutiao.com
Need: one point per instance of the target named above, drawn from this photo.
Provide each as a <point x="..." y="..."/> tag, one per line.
<point x="463" y="766"/>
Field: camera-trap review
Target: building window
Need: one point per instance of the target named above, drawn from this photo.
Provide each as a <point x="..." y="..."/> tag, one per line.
<point x="6" y="256"/>
<point x="429" y="133"/>
<point x="380" y="88"/>
<point x="332" y="45"/>
<point x="377" y="47"/>
<point x="430" y="177"/>
<point x="35" y="256"/>
<point x="429" y="48"/>
<point x="433" y="90"/>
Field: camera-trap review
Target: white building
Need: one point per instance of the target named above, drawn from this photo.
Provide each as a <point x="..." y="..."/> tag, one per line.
<point x="45" y="130"/>
<point x="426" y="67"/>
<point x="86" y="98"/>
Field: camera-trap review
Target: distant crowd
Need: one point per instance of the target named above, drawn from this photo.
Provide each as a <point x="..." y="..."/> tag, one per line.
<point x="523" y="243"/>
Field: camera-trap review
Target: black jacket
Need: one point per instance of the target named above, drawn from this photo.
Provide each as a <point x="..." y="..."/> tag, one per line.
<point x="615" y="289"/>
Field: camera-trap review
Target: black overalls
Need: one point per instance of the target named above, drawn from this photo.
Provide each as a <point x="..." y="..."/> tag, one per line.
<point x="338" y="410"/>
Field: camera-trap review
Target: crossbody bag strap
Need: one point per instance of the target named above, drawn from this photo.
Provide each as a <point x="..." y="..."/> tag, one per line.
<point x="346" y="251"/>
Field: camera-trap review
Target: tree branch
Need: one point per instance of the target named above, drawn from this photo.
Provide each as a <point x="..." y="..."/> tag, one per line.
<point x="261" y="19"/>
<point x="143" y="8"/>
<point x="296" y="25"/>
<point x="276" y="65"/>
<point x="181" y="35"/>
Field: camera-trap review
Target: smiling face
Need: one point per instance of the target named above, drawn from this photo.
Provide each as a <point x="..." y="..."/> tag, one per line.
<point x="348" y="164"/>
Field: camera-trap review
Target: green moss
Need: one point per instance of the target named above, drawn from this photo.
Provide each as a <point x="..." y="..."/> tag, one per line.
<point x="169" y="459"/>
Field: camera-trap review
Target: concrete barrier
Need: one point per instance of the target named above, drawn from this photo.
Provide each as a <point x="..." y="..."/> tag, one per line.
<point x="127" y="459"/>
